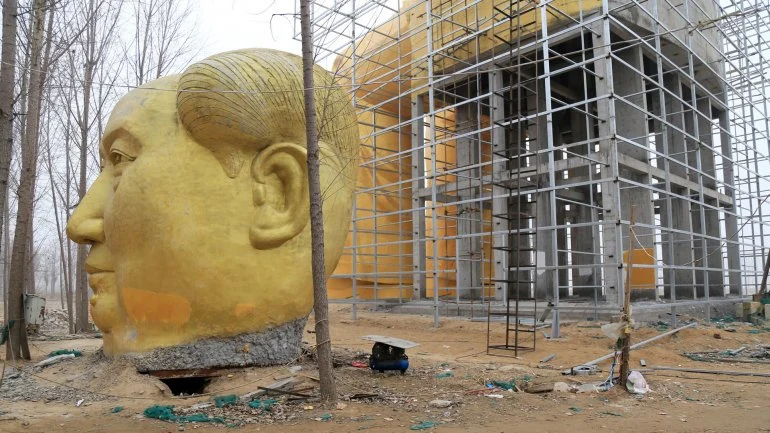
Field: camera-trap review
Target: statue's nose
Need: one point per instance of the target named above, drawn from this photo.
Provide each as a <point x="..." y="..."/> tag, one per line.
<point x="86" y="225"/>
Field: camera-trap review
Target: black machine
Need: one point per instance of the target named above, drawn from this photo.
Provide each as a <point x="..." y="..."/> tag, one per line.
<point x="389" y="353"/>
<point x="385" y="357"/>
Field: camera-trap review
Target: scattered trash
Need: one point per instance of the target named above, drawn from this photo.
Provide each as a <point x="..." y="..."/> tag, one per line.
<point x="308" y="407"/>
<point x="225" y="400"/>
<point x="643" y="363"/>
<point x="341" y="406"/>
<point x="610" y="413"/>
<point x="636" y="383"/>
<point x="548" y="358"/>
<point x="495" y="395"/>
<point x="359" y="364"/>
<point x="424" y="425"/>
<point x="295" y="368"/>
<point x="575" y="409"/>
<point x="265" y="404"/>
<point x="117" y="409"/>
<point x="538" y="388"/>
<point x="201" y="406"/>
<point x="325" y="417"/>
<point x="441" y="404"/>
<point x="638" y="345"/>
<point x="613" y="331"/>
<point x="444" y="375"/>
<point x="590" y="387"/>
<point x="562" y="387"/>
<point x="583" y="370"/>
<point x="759" y="354"/>
<point x="79" y="402"/>
<point x="54" y="359"/>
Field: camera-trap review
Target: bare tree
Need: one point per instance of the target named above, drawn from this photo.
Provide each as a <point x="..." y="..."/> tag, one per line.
<point x="101" y="23"/>
<point x="162" y="40"/>
<point x="320" y="297"/>
<point x="29" y="150"/>
<point x="7" y="75"/>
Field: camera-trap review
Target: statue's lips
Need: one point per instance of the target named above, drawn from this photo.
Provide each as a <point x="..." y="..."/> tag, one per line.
<point x="95" y="270"/>
<point x="99" y="260"/>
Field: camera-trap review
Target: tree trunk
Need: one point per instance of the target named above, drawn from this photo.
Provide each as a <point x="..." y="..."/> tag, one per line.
<point x="29" y="264"/>
<point x="321" y="303"/>
<point x="67" y="268"/>
<point x="29" y="149"/>
<point x="7" y="75"/>
<point x="63" y="286"/>
<point x="81" y="287"/>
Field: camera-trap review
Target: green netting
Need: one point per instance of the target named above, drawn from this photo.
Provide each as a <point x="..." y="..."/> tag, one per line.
<point x="424" y="425"/>
<point x="166" y="413"/>
<point x="226" y="400"/>
<point x="265" y="404"/>
<point x="5" y="331"/>
<point x="65" y="352"/>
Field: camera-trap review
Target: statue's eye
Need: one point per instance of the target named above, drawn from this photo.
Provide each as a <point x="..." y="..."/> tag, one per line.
<point x="118" y="157"/>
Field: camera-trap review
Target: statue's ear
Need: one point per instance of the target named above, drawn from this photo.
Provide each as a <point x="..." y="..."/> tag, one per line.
<point x="280" y="190"/>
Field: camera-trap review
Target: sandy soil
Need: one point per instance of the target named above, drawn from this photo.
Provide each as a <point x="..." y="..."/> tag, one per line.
<point x="679" y="402"/>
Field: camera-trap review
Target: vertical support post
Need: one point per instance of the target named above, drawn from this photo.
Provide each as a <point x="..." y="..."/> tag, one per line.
<point x="418" y="203"/>
<point x="468" y="243"/>
<point x="610" y="188"/>
<point x="731" y="215"/>
<point x="433" y="156"/>
<point x="499" y="194"/>
<point x="551" y="175"/>
<point x="631" y="106"/>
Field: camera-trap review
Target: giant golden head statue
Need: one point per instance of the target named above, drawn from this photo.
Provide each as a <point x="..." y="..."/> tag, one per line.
<point x="199" y="221"/>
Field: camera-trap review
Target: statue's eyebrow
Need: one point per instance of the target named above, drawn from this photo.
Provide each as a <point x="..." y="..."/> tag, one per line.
<point x="113" y="135"/>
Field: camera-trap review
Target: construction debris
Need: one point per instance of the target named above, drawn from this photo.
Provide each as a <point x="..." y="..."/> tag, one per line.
<point x="636" y="346"/>
<point x="548" y="358"/>
<point x="759" y="354"/>
<point x="440" y="404"/>
<point x="722" y="372"/>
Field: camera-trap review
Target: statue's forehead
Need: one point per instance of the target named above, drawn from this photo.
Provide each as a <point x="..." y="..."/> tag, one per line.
<point x="146" y="109"/>
<point x="156" y="95"/>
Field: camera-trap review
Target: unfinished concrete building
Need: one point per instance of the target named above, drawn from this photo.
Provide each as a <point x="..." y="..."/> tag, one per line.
<point x="507" y="147"/>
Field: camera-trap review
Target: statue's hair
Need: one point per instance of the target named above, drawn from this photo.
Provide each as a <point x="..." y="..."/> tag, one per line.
<point x="239" y="102"/>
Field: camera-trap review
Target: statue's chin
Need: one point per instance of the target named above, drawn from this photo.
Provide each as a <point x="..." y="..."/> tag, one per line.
<point x="105" y="312"/>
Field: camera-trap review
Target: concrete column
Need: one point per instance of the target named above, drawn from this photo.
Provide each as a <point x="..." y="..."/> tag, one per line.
<point x="468" y="214"/>
<point x="680" y="243"/>
<point x="731" y="221"/>
<point x="630" y="109"/>
<point x="538" y="139"/>
<point x="419" y="253"/>
<point x="583" y="240"/>
<point x="712" y="256"/>
<point x="499" y="201"/>
<point x="610" y="191"/>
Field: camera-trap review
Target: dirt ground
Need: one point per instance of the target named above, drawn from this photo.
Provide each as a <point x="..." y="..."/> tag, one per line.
<point x="451" y="364"/>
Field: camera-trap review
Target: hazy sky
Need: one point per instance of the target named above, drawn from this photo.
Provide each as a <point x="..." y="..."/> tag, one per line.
<point x="232" y="24"/>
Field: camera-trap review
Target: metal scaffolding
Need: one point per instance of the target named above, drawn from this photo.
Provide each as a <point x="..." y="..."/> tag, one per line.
<point x="504" y="143"/>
